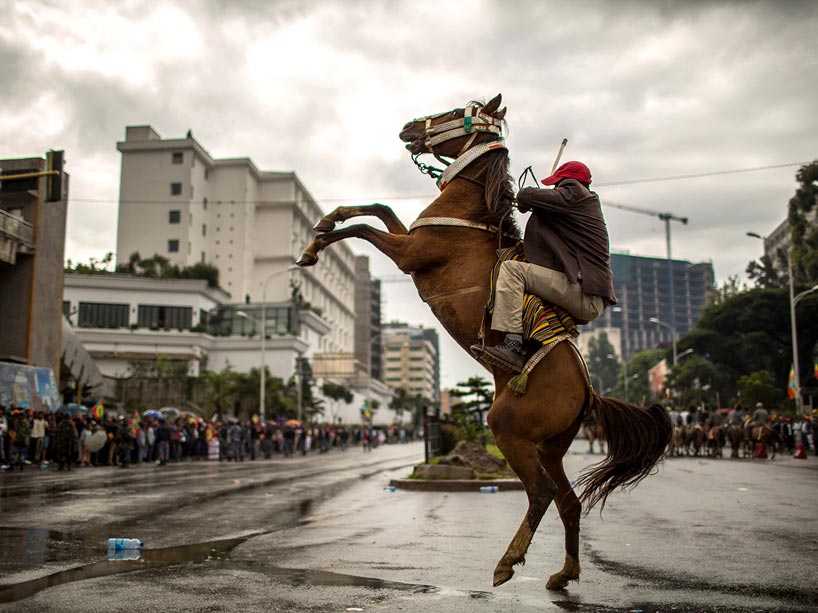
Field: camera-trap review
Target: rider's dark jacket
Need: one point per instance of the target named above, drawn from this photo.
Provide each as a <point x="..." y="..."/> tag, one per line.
<point x="567" y="232"/>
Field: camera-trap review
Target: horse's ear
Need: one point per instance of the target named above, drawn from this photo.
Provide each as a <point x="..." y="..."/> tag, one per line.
<point x="501" y="113"/>
<point x="493" y="104"/>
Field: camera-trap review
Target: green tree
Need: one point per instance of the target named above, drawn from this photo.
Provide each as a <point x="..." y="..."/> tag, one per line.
<point x="336" y="394"/>
<point x="697" y="380"/>
<point x="219" y="386"/>
<point x="804" y="232"/>
<point x="760" y="387"/>
<point x="402" y="402"/>
<point x="476" y="395"/>
<point x="751" y="332"/>
<point x="638" y="366"/>
<point x="763" y="272"/>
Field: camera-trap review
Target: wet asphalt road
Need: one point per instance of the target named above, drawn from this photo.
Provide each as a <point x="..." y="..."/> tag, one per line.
<point x="320" y="533"/>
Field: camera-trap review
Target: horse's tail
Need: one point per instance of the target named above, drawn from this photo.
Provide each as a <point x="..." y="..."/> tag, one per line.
<point x="637" y="439"/>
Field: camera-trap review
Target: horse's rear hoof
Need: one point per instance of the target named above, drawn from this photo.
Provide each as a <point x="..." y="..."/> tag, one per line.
<point x="307" y="259"/>
<point x="324" y="225"/>
<point x="501" y="575"/>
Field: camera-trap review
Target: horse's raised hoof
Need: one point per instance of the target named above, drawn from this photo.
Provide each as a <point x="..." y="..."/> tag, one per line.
<point x="324" y="225"/>
<point x="307" y="259"/>
<point x="501" y="575"/>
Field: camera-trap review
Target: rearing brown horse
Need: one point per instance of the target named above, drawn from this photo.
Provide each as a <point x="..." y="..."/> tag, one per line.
<point x="450" y="251"/>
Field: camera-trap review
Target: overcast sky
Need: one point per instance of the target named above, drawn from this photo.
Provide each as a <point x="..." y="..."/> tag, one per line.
<point x="640" y="89"/>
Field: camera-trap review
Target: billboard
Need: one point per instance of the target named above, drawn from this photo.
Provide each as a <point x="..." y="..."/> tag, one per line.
<point x="28" y="386"/>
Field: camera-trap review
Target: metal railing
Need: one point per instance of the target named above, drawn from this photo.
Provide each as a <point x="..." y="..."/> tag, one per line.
<point x="16" y="228"/>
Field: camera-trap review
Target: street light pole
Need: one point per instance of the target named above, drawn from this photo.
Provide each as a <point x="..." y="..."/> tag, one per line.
<point x="658" y="322"/>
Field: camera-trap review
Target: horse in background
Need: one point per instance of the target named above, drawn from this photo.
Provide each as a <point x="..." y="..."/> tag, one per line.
<point x="765" y="436"/>
<point x="678" y="444"/>
<point x="735" y="434"/>
<point x="715" y="441"/>
<point x="695" y="439"/>
<point x="450" y="251"/>
<point x="594" y="433"/>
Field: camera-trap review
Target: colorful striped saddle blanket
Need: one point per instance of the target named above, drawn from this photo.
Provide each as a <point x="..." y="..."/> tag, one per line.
<point x="543" y="322"/>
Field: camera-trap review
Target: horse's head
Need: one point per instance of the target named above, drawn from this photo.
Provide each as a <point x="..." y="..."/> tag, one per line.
<point x="450" y="133"/>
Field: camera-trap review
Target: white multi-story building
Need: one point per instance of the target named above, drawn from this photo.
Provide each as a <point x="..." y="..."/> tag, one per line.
<point x="412" y="359"/>
<point x="177" y="201"/>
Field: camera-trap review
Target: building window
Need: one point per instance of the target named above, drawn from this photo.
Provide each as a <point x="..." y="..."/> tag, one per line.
<point x="103" y="315"/>
<point x="66" y="308"/>
<point x="207" y="173"/>
<point x="204" y="203"/>
<point x="158" y="317"/>
<point x="174" y="216"/>
<point x="204" y="257"/>
<point x="177" y="157"/>
<point x="175" y="189"/>
<point x="173" y="246"/>
<point x="204" y="229"/>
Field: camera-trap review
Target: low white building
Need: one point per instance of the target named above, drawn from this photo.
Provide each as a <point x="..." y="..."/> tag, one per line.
<point x="124" y="319"/>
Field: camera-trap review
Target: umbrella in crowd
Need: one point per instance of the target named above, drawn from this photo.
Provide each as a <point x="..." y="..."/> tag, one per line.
<point x="73" y="408"/>
<point x="293" y="422"/>
<point x="97" y="441"/>
<point x="153" y="413"/>
<point x="170" y="413"/>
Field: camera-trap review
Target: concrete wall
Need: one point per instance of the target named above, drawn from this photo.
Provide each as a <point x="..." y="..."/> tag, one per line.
<point x="31" y="289"/>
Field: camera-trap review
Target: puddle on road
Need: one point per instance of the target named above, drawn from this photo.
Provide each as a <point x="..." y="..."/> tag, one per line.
<point x="151" y="558"/>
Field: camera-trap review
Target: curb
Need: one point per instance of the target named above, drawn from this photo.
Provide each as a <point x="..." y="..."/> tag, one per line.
<point x="455" y="485"/>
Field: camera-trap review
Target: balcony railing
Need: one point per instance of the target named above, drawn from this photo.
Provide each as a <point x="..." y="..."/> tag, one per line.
<point x="16" y="229"/>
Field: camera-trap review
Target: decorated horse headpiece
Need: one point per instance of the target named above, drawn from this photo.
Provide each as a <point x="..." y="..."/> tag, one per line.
<point x="473" y="122"/>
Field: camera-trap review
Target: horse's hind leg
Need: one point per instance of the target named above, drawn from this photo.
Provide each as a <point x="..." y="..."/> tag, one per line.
<point x="569" y="506"/>
<point x="523" y="459"/>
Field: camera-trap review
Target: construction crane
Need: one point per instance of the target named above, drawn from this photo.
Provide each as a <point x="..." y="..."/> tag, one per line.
<point x="667" y="218"/>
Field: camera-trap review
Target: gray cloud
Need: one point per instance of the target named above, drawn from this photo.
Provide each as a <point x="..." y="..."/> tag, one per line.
<point x="640" y="89"/>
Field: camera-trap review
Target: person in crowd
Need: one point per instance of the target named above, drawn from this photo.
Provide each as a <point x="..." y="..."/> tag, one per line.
<point x="4" y="428"/>
<point x="289" y="441"/>
<point x="124" y="441"/>
<point x="35" y="447"/>
<point x="21" y="428"/>
<point x="85" y="439"/>
<point x="65" y="442"/>
<point x="760" y="418"/>
<point x="108" y="453"/>
<point x="736" y="417"/>
<point x="162" y="442"/>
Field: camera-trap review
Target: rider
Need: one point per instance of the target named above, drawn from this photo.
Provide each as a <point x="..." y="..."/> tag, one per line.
<point x="737" y="416"/>
<point x="568" y="258"/>
<point x="760" y="418"/>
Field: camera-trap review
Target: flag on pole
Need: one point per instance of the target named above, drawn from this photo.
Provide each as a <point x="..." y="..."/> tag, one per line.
<point x="791" y="389"/>
<point x="98" y="410"/>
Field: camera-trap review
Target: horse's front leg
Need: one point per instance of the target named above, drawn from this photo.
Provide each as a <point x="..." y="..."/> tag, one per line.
<point x="342" y="213"/>
<point x="394" y="246"/>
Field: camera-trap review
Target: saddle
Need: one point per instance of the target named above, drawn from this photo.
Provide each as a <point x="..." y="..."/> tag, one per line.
<point x="544" y="324"/>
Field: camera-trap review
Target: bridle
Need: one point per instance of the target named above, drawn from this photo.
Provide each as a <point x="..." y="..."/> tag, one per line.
<point x="473" y="122"/>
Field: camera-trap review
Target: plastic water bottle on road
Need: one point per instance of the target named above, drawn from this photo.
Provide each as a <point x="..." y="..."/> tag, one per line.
<point x="122" y="544"/>
<point x="488" y="489"/>
<point x="123" y="555"/>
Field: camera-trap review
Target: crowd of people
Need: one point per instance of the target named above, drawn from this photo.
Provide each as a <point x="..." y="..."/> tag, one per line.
<point x="67" y="441"/>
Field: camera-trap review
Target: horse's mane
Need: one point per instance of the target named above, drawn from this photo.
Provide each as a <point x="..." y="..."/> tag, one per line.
<point x="498" y="194"/>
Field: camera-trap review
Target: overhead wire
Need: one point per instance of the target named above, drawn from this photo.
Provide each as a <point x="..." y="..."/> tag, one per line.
<point x="428" y="196"/>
